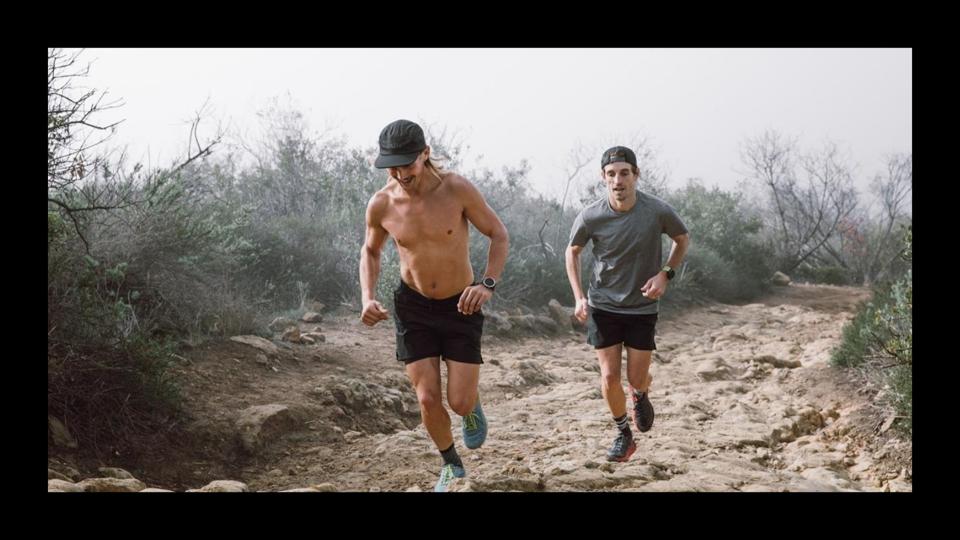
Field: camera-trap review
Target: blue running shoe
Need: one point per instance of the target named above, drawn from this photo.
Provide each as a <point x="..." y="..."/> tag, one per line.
<point x="474" y="427"/>
<point x="447" y="473"/>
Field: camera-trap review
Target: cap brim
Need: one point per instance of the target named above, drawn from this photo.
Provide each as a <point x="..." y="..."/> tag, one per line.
<point x="395" y="160"/>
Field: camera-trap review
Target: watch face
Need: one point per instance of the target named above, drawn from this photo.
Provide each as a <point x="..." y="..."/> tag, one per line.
<point x="489" y="282"/>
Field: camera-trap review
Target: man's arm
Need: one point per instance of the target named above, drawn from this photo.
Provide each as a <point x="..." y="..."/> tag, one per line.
<point x="479" y="213"/>
<point x="656" y="286"/>
<point x="376" y="235"/>
<point x="679" y="249"/>
<point x="573" y="274"/>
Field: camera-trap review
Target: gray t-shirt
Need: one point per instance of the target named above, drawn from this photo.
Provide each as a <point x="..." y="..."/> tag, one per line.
<point x="626" y="249"/>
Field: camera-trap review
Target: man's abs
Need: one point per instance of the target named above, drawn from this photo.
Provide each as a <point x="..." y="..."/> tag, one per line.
<point x="436" y="274"/>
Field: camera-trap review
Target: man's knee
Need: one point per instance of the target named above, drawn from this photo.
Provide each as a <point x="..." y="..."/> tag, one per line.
<point x="610" y="380"/>
<point x="461" y="405"/>
<point x="429" y="399"/>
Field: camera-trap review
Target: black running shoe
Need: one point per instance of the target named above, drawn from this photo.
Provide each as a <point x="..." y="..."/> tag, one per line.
<point x="642" y="411"/>
<point x="623" y="447"/>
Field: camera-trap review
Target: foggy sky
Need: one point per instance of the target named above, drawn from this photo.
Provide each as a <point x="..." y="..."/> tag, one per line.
<point x="694" y="106"/>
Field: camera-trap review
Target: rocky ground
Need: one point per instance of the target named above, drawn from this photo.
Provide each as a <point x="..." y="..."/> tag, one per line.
<point x="745" y="400"/>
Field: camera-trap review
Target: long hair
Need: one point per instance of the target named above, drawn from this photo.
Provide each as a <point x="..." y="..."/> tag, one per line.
<point x="435" y="167"/>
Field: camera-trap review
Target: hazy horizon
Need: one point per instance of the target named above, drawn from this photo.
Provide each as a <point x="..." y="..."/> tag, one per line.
<point x="694" y="106"/>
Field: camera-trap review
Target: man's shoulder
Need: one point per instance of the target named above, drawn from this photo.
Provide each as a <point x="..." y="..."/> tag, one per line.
<point x="652" y="200"/>
<point x="458" y="185"/>
<point x="379" y="201"/>
<point x="454" y="180"/>
<point x="593" y="210"/>
<point x="381" y="196"/>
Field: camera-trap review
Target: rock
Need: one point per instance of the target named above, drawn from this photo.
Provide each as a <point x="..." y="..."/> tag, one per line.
<point x="533" y="373"/>
<point x="257" y="342"/>
<point x="113" y="472"/>
<point x="497" y="323"/>
<point x="112" y="485"/>
<point x="326" y="486"/>
<point x="60" y="434"/>
<point x="312" y="317"/>
<point x="315" y="336"/>
<point x="62" y="485"/>
<point x="222" y="486"/>
<point x="261" y="424"/>
<point x="713" y="369"/>
<point x="781" y="279"/>
<point x="291" y="334"/>
<point x="281" y="323"/>
<point x="777" y="362"/>
<point x="545" y="324"/>
<point x="561" y="315"/>
<point x="54" y="475"/>
<point x="526" y="323"/>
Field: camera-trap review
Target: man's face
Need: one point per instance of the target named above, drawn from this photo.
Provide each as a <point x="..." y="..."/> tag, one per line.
<point x="620" y="180"/>
<point x="408" y="174"/>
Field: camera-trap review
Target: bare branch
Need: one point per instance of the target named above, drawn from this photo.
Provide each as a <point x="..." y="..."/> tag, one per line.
<point x="578" y="158"/>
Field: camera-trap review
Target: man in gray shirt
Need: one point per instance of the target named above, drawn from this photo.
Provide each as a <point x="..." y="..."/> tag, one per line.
<point x="625" y="285"/>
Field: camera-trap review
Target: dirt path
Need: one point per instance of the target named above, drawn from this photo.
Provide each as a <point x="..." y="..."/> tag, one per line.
<point x="745" y="401"/>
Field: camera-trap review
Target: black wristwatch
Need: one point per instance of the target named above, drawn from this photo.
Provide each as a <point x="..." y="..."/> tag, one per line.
<point x="489" y="283"/>
<point x="670" y="273"/>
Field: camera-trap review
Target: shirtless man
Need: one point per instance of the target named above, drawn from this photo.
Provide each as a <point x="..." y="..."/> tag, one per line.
<point x="438" y="303"/>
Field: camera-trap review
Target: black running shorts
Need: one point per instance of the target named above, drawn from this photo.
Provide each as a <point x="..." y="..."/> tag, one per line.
<point x="427" y="327"/>
<point x="636" y="331"/>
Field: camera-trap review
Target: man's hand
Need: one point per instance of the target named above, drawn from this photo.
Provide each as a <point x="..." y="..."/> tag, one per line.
<point x="373" y="313"/>
<point x="473" y="298"/>
<point x="655" y="286"/>
<point x="580" y="312"/>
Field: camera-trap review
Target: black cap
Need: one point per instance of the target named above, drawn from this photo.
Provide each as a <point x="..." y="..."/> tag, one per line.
<point x="400" y="144"/>
<point x="618" y="153"/>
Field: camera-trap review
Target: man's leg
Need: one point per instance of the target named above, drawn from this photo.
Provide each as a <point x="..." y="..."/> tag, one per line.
<point x="609" y="358"/>
<point x="425" y="376"/>
<point x="638" y="369"/>
<point x="638" y="373"/>
<point x="463" y="380"/>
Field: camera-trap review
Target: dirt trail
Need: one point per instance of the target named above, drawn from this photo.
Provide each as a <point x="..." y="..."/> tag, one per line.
<point x="744" y="395"/>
